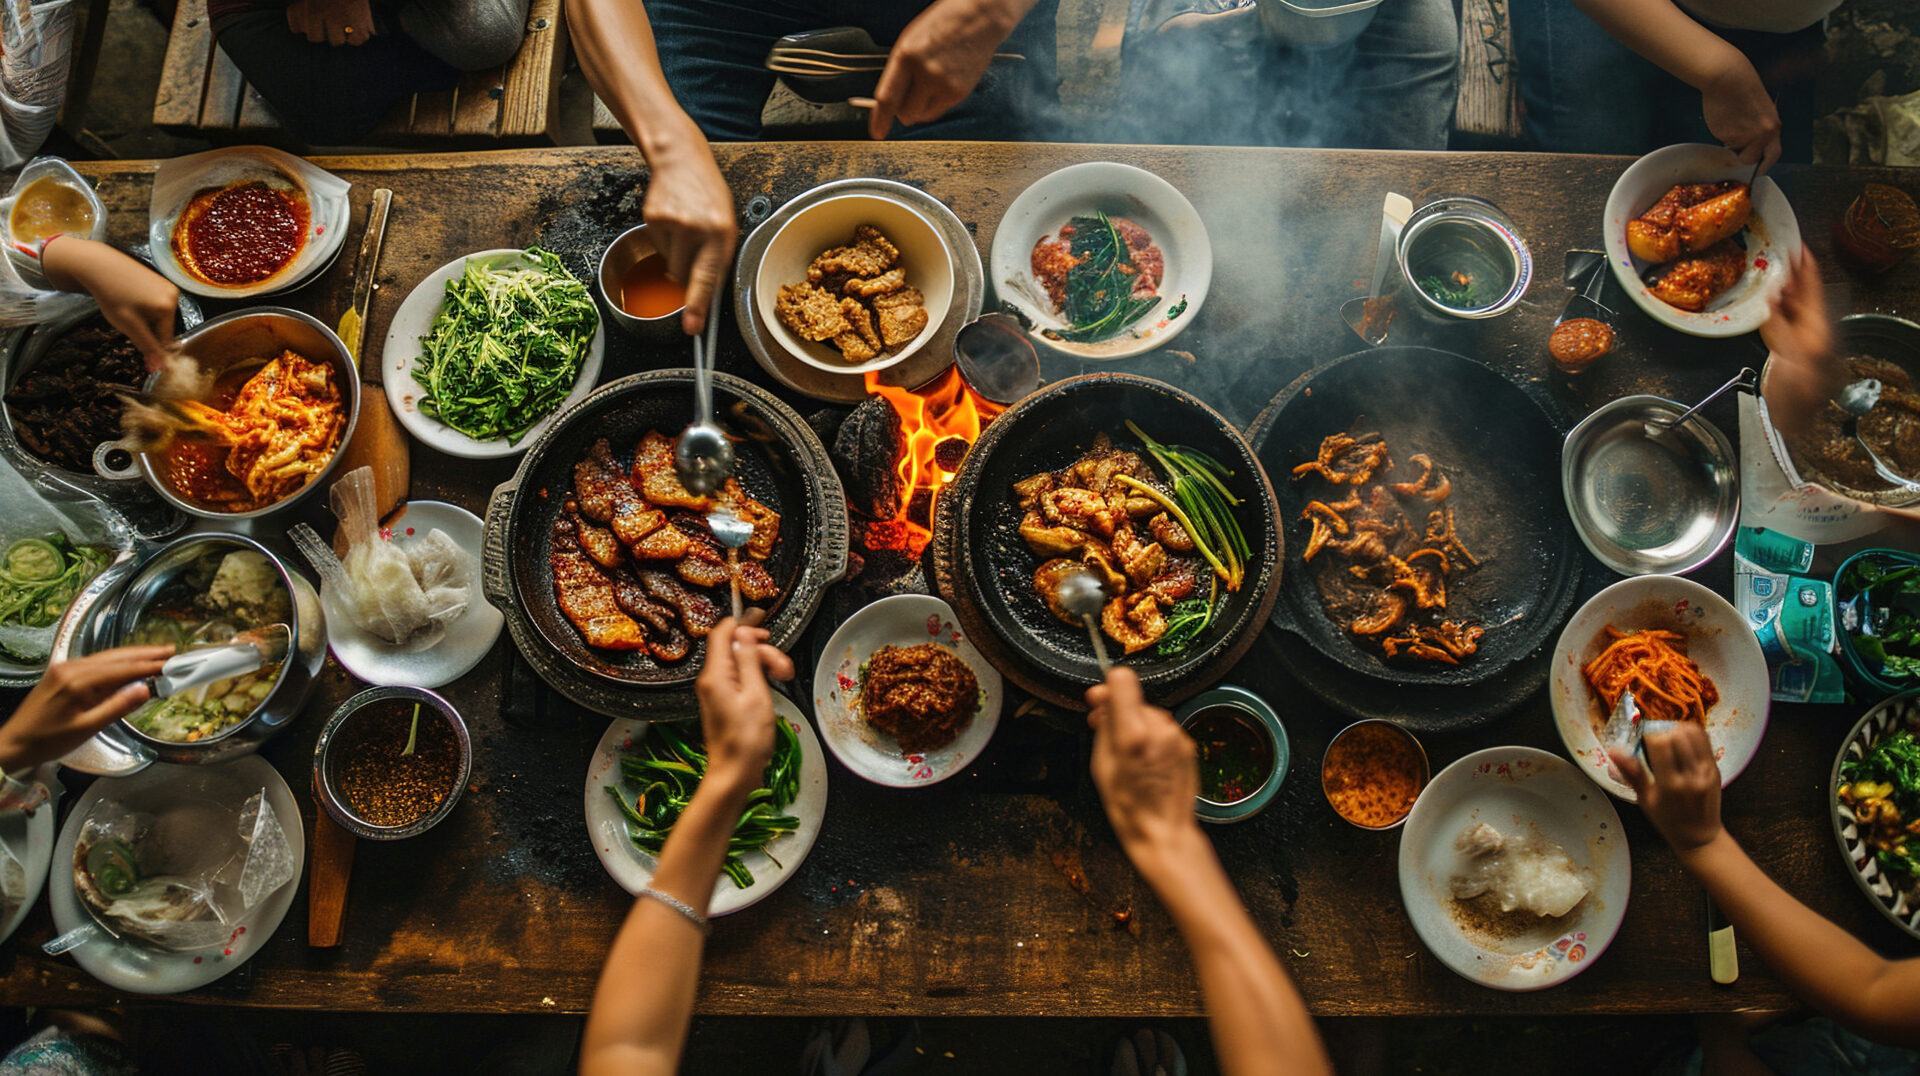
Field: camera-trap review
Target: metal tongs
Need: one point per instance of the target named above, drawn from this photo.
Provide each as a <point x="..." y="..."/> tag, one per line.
<point x="253" y="649"/>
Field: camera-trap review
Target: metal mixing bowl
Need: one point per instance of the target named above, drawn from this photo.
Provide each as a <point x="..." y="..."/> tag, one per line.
<point x="1650" y="505"/>
<point x="326" y="764"/>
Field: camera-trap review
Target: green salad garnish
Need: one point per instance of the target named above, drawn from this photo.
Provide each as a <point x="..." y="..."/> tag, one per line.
<point x="1883" y="787"/>
<point x="1099" y="289"/>
<point x="661" y="771"/>
<point x="40" y="577"/>
<point x="1889" y="628"/>
<point x="506" y="347"/>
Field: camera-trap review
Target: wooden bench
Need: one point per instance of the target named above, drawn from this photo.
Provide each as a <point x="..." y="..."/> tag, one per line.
<point x="202" y="92"/>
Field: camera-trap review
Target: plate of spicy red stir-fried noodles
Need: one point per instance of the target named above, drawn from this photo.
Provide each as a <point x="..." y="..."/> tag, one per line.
<point x="1683" y="652"/>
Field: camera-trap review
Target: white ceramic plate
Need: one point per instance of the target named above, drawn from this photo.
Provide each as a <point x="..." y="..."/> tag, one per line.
<point x="1517" y="790"/>
<point x="414" y="320"/>
<point x="468" y="639"/>
<point x="135" y="968"/>
<point x="1718" y="640"/>
<point x="1772" y="235"/>
<point x="902" y="620"/>
<point x="633" y="869"/>
<point x="178" y="180"/>
<point x="29" y="839"/>
<point x="830" y="223"/>
<point x="1898" y="902"/>
<point x="1119" y="190"/>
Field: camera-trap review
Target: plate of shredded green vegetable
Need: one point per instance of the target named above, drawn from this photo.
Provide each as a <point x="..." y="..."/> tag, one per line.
<point x="1876" y="794"/>
<point x="643" y="775"/>
<point x="1102" y="260"/>
<point x="488" y="348"/>
<point x="40" y="577"/>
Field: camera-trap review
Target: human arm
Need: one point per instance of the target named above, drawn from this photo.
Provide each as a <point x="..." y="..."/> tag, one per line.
<point x="638" y="1023"/>
<point x="1143" y="765"/>
<point x="1806" y="373"/>
<point x="135" y="299"/>
<point x="1738" y="109"/>
<point x="1827" y="967"/>
<point x="940" y="58"/>
<point x="687" y="198"/>
<point x="74" y="700"/>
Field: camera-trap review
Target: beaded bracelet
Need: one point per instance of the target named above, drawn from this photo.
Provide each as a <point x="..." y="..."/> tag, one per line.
<point x="680" y="906"/>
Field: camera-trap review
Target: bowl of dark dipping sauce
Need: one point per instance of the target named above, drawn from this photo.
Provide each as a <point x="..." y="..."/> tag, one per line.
<point x="1242" y="751"/>
<point x="368" y="781"/>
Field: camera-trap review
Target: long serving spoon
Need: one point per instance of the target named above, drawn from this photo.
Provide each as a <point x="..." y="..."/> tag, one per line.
<point x="1083" y="596"/>
<point x="1856" y="400"/>
<point x="732" y="532"/>
<point x="703" y="457"/>
<point x="1370" y="316"/>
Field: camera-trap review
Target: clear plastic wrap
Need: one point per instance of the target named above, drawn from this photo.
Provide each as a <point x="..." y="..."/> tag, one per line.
<point x="405" y="596"/>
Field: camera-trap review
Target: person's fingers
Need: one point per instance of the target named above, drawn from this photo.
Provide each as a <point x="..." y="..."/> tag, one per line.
<point x="753" y="617"/>
<point x="1770" y="154"/>
<point x="1693" y="748"/>
<point x="895" y="82"/>
<point x="91" y="679"/>
<point x="117" y="705"/>
<point x="336" y="36"/>
<point x="316" y="32"/>
<point x="703" y="282"/>
<point x="1126" y="703"/>
<point x="1662" y="756"/>
<point x="721" y="671"/>
<point x="919" y="105"/>
<point x="776" y="662"/>
<point x="1631" y="772"/>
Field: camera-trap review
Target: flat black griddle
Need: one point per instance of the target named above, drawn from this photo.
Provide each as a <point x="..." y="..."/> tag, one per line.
<point x="780" y="463"/>
<point x="1047" y="432"/>
<point x="1499" y="443"/>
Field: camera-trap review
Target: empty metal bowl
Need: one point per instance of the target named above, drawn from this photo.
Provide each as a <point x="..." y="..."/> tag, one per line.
<point x="1650" y="505"/>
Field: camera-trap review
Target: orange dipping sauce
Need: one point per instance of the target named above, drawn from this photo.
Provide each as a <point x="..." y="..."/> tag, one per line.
<point x="647" y="292"/>
<point x="1372" y="773"/>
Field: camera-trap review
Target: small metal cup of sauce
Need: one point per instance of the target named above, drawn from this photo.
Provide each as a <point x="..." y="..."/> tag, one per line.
<point x="1373" y="772"/>
<point x="1463" y="258"/>
<point x="1242" y="751"/>
<point x="640" y="297"/>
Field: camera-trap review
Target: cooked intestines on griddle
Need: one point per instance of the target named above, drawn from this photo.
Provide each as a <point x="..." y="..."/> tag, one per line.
<point x="633" y="559"/>
<point x="1083" y="518"/>
<point x="1385" y="575"/>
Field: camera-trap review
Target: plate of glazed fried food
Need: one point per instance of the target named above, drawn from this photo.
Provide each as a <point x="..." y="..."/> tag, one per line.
<point x="855" y="283"/>
<point x="1697" y="248"/>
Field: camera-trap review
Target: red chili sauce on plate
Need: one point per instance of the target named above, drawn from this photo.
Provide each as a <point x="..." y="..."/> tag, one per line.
<point x="240" y="234"/>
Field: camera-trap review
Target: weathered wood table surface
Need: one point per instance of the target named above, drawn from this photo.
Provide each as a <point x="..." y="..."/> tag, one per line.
<point x="962" y="899"/>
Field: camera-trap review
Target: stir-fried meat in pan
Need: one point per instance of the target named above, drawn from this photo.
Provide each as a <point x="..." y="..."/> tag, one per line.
<point x="698" y="613"/>
<point x="665" y="640"/>
<point x="1386" y="580"/>
<point x="596" y="541"/>
<point x="585" y="595"/>
<point x="655" y="478"/>
<point x="1084" y="519"/>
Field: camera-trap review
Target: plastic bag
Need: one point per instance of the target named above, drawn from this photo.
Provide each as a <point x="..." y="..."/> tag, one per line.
<point x="41" y="507"/>
<point x="36" y="47"/>
<point x="25" y="297"/>
<point x="407" y="596"/>
<point x="179" y="866"/>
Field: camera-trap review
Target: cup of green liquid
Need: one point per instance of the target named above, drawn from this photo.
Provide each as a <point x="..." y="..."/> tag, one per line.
<point x="1464" y="259"/>
<point x="1242" y="751"/>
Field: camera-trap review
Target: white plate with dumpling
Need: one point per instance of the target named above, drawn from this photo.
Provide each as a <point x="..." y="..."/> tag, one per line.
<point x="468" y="639"/>
<point x="1552" y="842"/>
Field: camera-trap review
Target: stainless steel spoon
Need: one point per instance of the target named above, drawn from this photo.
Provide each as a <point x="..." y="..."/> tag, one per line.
<point x="732" y="532"/>
<point x="1084" y="597"/>
<point x="997" y="358"/>
<point x="1747" y="380"/>
<point x="703" y="457"/>
<point x="1856" y="400"/>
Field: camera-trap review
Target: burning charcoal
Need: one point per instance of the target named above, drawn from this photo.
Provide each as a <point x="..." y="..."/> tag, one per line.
<point x="950" y="452"/>
<point x="867" y="451"/>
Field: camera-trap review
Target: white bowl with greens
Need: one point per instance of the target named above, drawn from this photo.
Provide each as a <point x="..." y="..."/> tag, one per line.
<point x="488" y="348"/>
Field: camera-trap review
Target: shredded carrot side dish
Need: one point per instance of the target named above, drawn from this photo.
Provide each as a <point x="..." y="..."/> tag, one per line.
<point x="1666" y="683"/>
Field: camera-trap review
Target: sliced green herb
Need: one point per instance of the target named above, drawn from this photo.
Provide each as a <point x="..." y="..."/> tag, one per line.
<point x="1100" y="301"/>
<point x="660" y="773"/>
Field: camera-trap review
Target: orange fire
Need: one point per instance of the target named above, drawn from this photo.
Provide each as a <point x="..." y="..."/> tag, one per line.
<point x="943" y="411"/>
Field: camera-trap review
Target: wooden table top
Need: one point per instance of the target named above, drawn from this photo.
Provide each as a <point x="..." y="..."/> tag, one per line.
<point x="995" y="893"/>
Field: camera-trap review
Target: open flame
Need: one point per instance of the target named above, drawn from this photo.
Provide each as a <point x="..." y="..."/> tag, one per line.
<point x="940" y="422"/>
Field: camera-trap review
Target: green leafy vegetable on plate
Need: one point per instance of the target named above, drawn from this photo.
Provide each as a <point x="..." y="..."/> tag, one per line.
<point x="1888" y="772"/>
<point x="40" y="577"/>
<point x="1100" y="300"/>
<point x="1884" y="614"/>
<point x="506" y="347"/>
<point x="660" y="772"/>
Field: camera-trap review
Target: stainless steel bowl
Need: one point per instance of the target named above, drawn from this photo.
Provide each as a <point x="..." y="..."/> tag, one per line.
<point x="247" y="336"/>
<point x="326" y="765"/>
<point x="1443" y="232"/>
<point x="104" y="617"/>
<point x="1315" y="24"/>
<point x="622" y="254"/>
<point x="1650" y="505"/>
<point x="1877" y="336"/>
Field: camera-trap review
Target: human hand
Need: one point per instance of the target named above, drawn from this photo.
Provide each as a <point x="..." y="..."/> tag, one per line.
<point x="135" y="299"/>
<point x="1800" y="335"/>
<point x="76" y="699"/>
<point x="335" y="22"/>
<point x="1143" y="765"/>
<point x="1741" y="113"/>
<point x="688" y="201"/>
<point x="736" y="705"/>
<point x="1682" y="796"/>
<point x="939" y="59"/>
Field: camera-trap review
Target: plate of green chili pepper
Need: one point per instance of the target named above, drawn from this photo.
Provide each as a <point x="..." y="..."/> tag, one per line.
<point x="643" y="774"/>
<point x="40" y="577"/>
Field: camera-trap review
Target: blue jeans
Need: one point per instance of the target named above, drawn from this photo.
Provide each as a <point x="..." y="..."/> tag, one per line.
<point x="714" y="54"/>
<point x="1586" y="93"/>
<point x="1224" y="82"/>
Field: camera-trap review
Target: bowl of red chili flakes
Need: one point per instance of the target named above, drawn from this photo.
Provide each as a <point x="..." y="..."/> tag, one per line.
<point x="1373" y="772"/>
<point x="243" y="221"/>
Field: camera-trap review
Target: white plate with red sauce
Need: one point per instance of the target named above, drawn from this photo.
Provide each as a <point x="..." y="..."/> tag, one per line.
<point x="1119" y="191"/>
<point x="320" y="195"/>
<point x="1523" y="792"/>
<point x="903" y="620"/>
